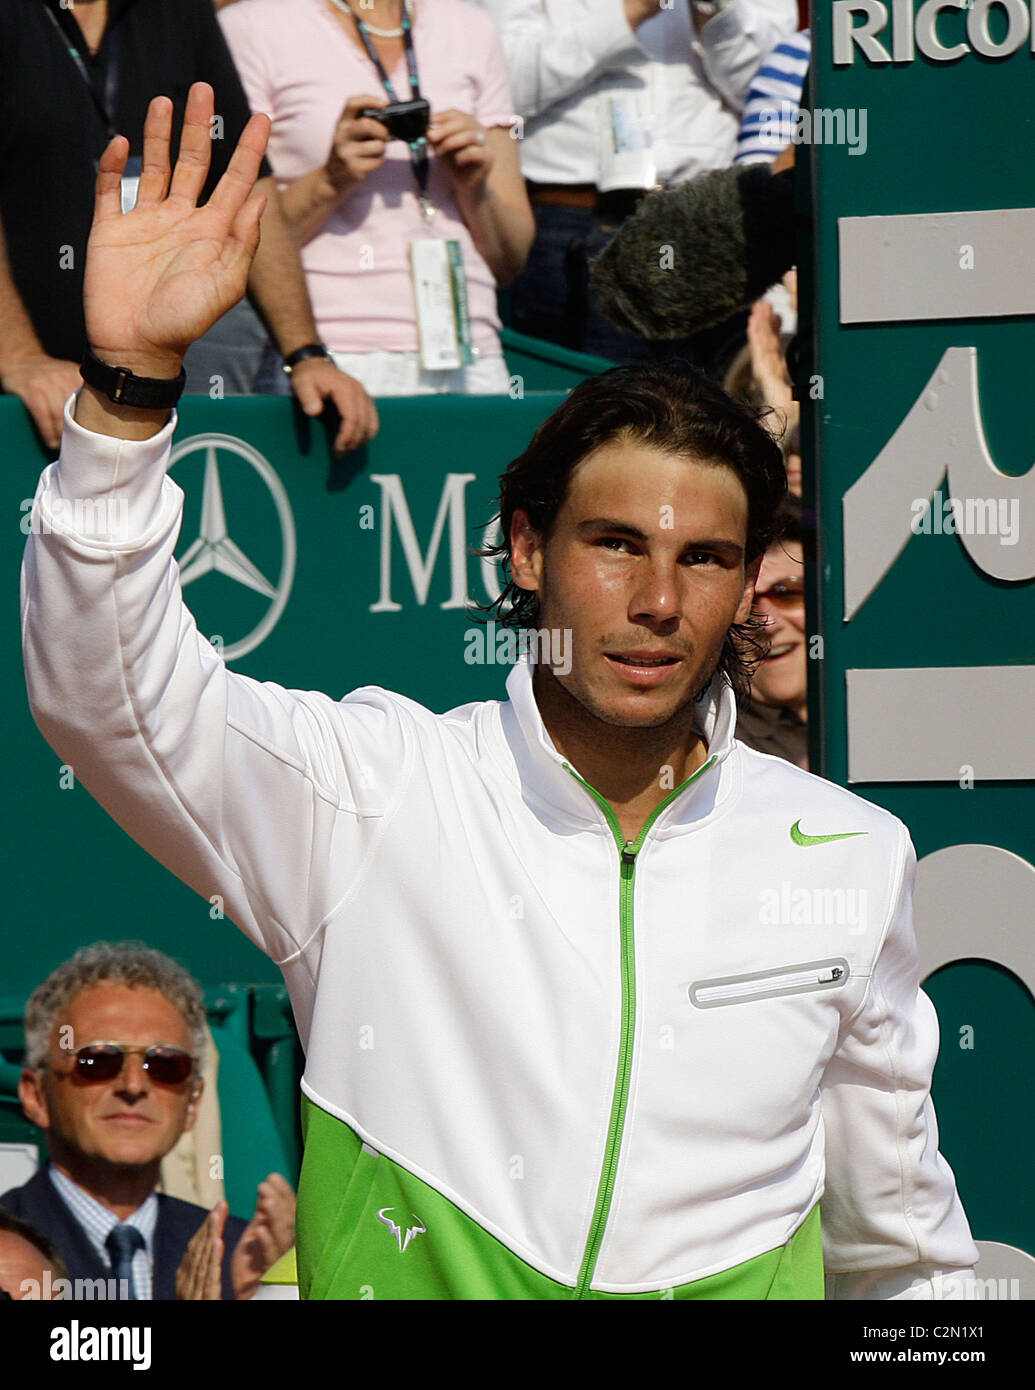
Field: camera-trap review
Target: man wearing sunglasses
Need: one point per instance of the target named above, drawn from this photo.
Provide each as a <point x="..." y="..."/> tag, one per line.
<point x="114" y="1044"/>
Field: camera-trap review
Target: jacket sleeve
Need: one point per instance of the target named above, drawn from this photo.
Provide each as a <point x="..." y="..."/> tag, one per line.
<point x="737" y="40"/>
<point x="270" y="798"/>
<point x="549" y="60"/>
<point x="893" y="1224"/>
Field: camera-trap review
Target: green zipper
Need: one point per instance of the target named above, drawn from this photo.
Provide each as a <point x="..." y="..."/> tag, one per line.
<point x="628" y="852"/>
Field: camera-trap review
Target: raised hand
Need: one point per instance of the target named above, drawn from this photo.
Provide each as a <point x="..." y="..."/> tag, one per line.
<point x="158" y="277"/>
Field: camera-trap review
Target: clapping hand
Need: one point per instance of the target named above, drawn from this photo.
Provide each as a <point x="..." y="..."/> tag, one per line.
<point x="269" y="1234"/>
<point x="199" y="1276"/>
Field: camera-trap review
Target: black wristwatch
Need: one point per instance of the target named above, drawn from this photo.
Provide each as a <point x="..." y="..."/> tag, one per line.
<point x="123" y="387"/>
<point x="300" y="354"/>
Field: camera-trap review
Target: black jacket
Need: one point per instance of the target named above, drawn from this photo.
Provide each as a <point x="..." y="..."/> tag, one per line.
<point x="39" y="1203"/>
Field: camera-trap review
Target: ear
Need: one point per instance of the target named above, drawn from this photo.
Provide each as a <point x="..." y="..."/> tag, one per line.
<point x="33" y="1096"/>
<point x="526" y="552"/>
<point x="748" y="597"/>
<point x="193" y="1106"/>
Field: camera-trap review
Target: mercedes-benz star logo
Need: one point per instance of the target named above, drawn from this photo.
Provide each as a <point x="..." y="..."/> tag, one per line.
<point x="213" y="550"/>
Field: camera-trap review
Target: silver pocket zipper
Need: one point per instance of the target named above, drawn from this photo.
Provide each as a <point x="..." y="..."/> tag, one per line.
<point x="794" y="979"/>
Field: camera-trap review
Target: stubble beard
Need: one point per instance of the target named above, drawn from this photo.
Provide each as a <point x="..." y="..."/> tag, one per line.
<point x="591" y="714"/>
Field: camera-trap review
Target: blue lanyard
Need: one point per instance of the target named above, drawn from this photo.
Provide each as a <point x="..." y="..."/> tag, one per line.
<point x="411" y="57"/>
<point x="419" y="147"/>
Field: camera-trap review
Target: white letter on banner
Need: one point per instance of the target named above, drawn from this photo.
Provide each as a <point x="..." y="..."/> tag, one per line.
<point x="394" y="504"/>
<point x="876" y="17"/>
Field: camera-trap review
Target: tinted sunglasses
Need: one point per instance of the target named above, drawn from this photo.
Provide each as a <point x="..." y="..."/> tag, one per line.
<point x="785" y="593"/>
<point x="103" y="1061"/>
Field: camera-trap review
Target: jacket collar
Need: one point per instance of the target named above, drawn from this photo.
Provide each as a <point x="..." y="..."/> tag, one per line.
<point x="543" y="773"/>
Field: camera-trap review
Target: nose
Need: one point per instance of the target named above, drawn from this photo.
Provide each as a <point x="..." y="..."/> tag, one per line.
<point x="656" y="596"/>
<point x="133" y="1079"/>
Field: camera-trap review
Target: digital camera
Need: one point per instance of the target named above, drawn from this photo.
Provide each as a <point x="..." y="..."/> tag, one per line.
<point x="406" y="120"/>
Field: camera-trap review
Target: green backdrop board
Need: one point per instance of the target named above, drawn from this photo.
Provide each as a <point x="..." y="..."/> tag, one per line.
<point x="340" y="575"/>
<point x="917" y="278"/>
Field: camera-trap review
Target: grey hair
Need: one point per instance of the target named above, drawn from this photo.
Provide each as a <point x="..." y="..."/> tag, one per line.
<point x="128" y="963"/>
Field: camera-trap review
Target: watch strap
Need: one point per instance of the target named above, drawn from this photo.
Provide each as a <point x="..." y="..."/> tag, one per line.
<point x="301" y="354"/>
<point x="124" y="387"/>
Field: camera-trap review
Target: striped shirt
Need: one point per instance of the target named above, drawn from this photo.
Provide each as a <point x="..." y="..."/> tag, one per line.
<point x="98" y="1222"/>
<point x="773" y="100"/>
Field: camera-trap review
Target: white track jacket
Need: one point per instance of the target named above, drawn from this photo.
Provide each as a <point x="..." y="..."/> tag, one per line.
<point x="578" y="1068"/>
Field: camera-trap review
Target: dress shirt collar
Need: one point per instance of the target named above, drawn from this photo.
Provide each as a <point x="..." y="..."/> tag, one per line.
<point x="98" y="1222"/>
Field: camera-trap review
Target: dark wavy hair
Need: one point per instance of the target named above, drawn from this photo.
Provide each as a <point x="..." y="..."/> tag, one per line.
<point x="673" y="407"/>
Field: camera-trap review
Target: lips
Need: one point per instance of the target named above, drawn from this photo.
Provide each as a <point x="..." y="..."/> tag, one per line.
<point x="642" y="670"/>
<point x="780" y="649"/>
<point x="644" y="658"/>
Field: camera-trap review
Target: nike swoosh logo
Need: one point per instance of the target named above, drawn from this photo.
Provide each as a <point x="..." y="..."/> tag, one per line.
<point x="800" y="838"/>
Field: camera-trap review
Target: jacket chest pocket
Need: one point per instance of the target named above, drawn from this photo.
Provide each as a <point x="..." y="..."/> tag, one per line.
<point x="805" y="978"/>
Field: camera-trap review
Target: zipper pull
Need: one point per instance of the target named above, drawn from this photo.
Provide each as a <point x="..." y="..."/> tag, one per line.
<point x="835" y="974"/>
<point x="629" y="852"/>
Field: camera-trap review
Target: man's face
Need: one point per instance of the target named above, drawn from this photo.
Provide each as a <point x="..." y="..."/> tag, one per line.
<point x="782" y="679"/>
<point x="645" y="561"/>
<point x="130" y="1121"/>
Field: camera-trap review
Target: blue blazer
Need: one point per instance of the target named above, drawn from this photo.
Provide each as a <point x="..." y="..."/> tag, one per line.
<point x="38" y="1203"/>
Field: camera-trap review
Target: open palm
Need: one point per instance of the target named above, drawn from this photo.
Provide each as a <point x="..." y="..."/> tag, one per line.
<point x="158" y="277"/>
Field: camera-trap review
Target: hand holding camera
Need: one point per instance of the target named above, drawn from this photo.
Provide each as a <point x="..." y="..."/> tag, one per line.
<point x="359" y="143"/>
<point x="368" y="123"/>
<point x="460" y="143"/>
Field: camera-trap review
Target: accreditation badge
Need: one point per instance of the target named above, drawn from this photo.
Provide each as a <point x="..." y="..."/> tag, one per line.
<point x="625" y="143"/>
<point x="440" y="303"/>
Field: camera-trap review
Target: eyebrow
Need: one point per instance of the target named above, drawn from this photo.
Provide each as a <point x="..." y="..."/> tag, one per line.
<point x="598" y="524"/>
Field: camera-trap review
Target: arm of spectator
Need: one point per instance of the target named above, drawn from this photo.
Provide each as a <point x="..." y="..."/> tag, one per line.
<point x="479" y="153"/>
<point x="199" y="1274"/>
<point x="735" y="42"/>
<point x="269" y="1234"/>
<point x="357" y="147"/>
<point x="277" y="284"/>
<point x="490" y="192"/>
<point x="549" y="60"/>
<point x="43" y="383"/>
